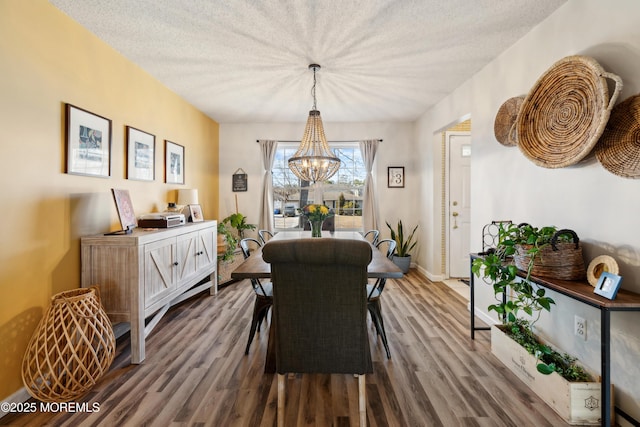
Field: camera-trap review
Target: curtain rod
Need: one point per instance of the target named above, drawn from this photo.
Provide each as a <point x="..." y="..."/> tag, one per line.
<point x="298" y="141"/>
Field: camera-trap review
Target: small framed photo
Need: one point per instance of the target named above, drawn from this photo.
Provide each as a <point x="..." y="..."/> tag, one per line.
<point x="174" y="163"/>
<point x="88" y="143"/>
<point x="125" y="210"/>
<point x="608" y="285"/>
<point x="196" y="213"/>
<point x="395" y="177"/>
<point x="141" y="155"/>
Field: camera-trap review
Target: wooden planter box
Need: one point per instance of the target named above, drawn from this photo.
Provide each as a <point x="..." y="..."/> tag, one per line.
<point x="576" y="402"/>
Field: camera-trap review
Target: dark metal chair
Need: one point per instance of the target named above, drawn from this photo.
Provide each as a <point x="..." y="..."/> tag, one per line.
<point x="265" y="235"/>
<point x="372" y="236"/>
<point x="374" y="292"/>
<point x="263" y="291"/>
<point x="320" y="310"/>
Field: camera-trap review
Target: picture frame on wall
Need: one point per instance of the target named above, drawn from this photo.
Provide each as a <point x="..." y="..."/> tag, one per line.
<point x="608" y="285"/>
<point x="88" y="143"/>
<point x="395" y="177"/>
<point x="195" y="211"/>
<point x="174" y="163"/>
<point x="141" y="155"/>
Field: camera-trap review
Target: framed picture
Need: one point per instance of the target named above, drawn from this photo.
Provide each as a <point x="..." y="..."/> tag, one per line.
<point x="608" y="285"/>
<point x="395" y="177"/>
<point x="125" y="210"/>
<point x="88" y="143"/>
<point x="141" y="155"/>
<point x="196" y="213"/>
<point x="173" y="163"/>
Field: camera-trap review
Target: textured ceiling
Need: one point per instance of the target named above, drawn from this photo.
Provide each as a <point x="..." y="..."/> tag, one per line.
<point x="247" y="60"/>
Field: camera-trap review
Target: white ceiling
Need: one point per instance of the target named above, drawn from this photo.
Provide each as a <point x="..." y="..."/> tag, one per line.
<point x="247" y="60"/>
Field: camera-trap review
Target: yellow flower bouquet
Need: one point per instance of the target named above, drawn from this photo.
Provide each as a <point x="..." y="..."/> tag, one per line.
<point x="316" y="214"/>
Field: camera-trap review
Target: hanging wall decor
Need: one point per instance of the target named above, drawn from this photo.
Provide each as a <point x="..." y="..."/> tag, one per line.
<point x="504" y="126"/>
<point x="566" y="111"/>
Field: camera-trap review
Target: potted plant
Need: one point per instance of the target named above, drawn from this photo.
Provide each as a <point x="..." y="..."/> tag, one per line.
<point x="566" y="387"/>
<point x="239" y="222"/>
<point x="402" y="257"/>
<point x="226" y="242"/>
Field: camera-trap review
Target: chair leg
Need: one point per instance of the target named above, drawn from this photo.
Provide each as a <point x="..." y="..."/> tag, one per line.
<point x="362" y="400"/>
<point x="280" y="410"/>
<point x="376" y="315"/>
<point x="259" y="313"/>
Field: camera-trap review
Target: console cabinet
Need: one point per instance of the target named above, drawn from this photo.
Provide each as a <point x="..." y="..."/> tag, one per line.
<point x="142" y="274"/>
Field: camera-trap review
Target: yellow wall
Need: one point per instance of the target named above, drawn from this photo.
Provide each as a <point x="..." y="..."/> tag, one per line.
<point x="46" y="60"/>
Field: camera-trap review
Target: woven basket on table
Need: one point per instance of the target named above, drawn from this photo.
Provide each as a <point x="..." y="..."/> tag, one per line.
<point x="566" y="111"/>
<point x="618" y="150"/>
<point x="504" y="127"/>
<point x="72" y="347"/>
<point x="557" y="260"/>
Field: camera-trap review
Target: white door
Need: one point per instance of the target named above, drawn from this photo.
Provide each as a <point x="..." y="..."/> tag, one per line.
<point x="459" y="202"/>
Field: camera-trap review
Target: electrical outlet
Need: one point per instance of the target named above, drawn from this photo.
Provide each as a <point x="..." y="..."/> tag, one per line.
<point x="580" y="327"/>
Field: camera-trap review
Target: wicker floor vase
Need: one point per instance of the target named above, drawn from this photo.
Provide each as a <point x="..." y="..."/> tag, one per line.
<point x="71" y="349"/>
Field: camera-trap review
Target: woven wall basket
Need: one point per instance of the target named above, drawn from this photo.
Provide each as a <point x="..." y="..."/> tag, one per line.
<point x="618" y="150"/>
<point x="558" y="260"/>
<point x="504" y="126"/>
<point x="566" y="111"/>
<point x="72" y="347"/>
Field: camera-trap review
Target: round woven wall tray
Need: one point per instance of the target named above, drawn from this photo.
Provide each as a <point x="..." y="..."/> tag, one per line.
<point x="566" y="111"/>
<point x="504" y="126"/>
<point x="618" y="150"/>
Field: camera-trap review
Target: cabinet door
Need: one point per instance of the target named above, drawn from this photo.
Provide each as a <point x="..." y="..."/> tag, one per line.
<point x="207" y="248"/>
<point x="187" y="253"/>
<point x="159" y="271"/>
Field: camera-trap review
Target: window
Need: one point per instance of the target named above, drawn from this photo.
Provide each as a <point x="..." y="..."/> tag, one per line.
<point x="342" y="193"/>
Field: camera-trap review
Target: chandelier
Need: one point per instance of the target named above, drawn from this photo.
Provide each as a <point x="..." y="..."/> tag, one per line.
<point x="314" y="161"/>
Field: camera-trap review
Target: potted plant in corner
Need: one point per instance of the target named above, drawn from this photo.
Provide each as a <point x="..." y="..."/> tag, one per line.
<point x="402" y="257"/>
<point x="555" y="377"/>
<point x="239" y="222"/>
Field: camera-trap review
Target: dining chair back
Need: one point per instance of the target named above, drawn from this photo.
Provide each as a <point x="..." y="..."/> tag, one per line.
<point x="320" y="309"/>
<point x="374" y="292"/>
<point x="262" y="291"/>
<point x="265" y="235"/>
<point x="372" y="236"/>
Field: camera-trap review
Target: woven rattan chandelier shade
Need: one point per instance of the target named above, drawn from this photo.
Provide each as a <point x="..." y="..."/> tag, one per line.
<point x="314" y="161"/>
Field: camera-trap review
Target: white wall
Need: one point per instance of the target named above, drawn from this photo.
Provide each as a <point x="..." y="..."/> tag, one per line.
<point x="394" y="150"/>
<point x="601" y="207"/>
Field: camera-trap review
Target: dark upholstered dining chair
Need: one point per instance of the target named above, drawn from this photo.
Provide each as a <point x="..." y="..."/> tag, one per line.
<point x="374" y="292"/>
<point x="263" y="291"/>
<point x="320" y="310"/>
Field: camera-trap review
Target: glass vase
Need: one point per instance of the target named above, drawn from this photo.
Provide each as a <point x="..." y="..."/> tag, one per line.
<point x="316" y="227"/>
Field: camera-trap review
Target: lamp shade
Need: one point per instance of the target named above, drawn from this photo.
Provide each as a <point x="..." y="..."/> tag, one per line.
<point x="187" y="197"/>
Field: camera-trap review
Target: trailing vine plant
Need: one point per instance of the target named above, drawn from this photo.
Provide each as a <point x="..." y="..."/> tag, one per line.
<point x="497" y="268"/>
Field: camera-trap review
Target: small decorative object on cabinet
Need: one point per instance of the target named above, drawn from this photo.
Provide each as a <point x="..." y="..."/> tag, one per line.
<point x="71" y="349"/>
<point x="142" y="274"/>
<point x="599" y="265"/>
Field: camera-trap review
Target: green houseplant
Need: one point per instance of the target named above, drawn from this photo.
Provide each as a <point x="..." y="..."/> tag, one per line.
<point x="404" y="245"/>
<point x="497" y="268"/>
<point x="239" y="222"/>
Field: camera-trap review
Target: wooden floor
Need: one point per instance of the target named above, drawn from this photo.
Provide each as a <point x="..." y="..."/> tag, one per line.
<point x="196" y="373"/>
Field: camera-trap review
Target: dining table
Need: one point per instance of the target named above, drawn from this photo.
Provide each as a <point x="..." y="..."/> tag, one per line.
<point x="255" y="267"/>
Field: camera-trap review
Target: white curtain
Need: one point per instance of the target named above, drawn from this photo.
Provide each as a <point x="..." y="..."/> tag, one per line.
<point x="268" y="148"/>
<point x="369" y="203"/>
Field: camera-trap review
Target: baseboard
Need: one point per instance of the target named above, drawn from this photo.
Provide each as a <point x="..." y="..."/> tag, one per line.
<point x="429" y="275"/>
<point x="19" y="396"/>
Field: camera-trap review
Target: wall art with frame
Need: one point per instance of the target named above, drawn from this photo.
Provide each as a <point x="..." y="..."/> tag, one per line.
<point x="195" y="212"/>
<point x="174" y="163"/>
<point x="395" y="177"/>
<point x="141" y="155"/>
<point x="88" y="143"/>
